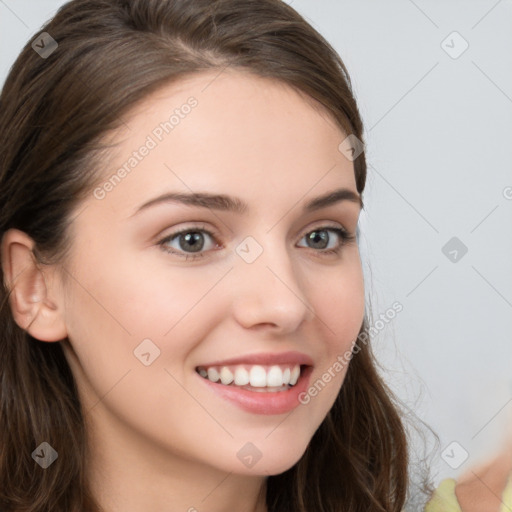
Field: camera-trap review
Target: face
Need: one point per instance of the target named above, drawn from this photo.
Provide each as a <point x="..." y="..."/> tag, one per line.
<point x="252" y="284"/>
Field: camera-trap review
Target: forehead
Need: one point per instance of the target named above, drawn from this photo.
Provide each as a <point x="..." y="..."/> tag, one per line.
<point x="228" y="130"/>
<point x="234" y="85"/>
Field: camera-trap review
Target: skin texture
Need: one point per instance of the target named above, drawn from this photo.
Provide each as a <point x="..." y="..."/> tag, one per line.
<point x="161" y="440"/>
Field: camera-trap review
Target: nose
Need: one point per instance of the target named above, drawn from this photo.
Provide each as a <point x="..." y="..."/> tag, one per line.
<point x="270" y="292"/>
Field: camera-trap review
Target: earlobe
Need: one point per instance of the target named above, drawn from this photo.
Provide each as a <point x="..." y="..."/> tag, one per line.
<point x="35" y="305"/>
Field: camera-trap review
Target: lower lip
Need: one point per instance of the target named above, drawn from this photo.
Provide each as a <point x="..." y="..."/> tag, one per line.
<point x="261" y="402"/>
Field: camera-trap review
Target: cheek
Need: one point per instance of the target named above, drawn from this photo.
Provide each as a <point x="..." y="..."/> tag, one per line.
<point x="127" y="310"/>
<point x="340" y="307"/>
<point x="116" y="317"/>
<point x="143" y="298"/>
<point x="175" y="307"/>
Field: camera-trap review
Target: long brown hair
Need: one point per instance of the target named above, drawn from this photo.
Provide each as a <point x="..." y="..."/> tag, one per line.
<point x="54" y="110"/>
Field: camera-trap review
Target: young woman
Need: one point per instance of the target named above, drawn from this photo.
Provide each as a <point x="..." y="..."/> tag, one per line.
<point x="183" y="325"/>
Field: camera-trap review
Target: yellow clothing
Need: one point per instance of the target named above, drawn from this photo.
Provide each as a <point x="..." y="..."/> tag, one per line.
<point x="507" y="497"/>
<point x="445" y="500"/>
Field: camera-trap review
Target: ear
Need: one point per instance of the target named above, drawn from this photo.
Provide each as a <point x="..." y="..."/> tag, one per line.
<point x="35" y="298"/>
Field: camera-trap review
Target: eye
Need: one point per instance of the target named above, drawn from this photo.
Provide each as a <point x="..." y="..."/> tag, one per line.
<point x="319" y="238"/>
<point x="188" y="242"/>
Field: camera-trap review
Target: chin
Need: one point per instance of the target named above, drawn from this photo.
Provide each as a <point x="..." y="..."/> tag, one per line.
<point x="275" y="461"/>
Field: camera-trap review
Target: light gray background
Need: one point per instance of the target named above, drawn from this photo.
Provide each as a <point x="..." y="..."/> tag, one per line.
<point x="438" y="134"/>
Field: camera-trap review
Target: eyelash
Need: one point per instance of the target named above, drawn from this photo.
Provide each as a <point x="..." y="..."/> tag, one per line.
<point x="344" y="235"/>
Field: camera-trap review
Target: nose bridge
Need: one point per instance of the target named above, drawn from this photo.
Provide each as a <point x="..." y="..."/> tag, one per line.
<point x="269" y="287"/>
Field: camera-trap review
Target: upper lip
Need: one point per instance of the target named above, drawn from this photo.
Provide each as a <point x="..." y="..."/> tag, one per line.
<point x="266" y="358"/>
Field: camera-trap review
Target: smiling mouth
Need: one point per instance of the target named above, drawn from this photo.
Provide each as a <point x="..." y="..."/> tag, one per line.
<point x="259" y="378"/>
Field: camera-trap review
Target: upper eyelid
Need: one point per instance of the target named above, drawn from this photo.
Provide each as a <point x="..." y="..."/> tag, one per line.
<point x="215" y="233"/>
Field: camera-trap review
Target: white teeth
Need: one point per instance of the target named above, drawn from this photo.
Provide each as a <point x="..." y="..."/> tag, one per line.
<point x="226" y="377"/>
<point x="273" y="378"/>
<point x="213" y="374"/>
<point x="294" y="376"/>
<point x="241" y="376"/>
<point x="266" y="390"/>
<point x="258" y="377"/>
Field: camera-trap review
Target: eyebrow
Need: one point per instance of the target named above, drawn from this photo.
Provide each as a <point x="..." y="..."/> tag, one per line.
<point x="224" y="202"/>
